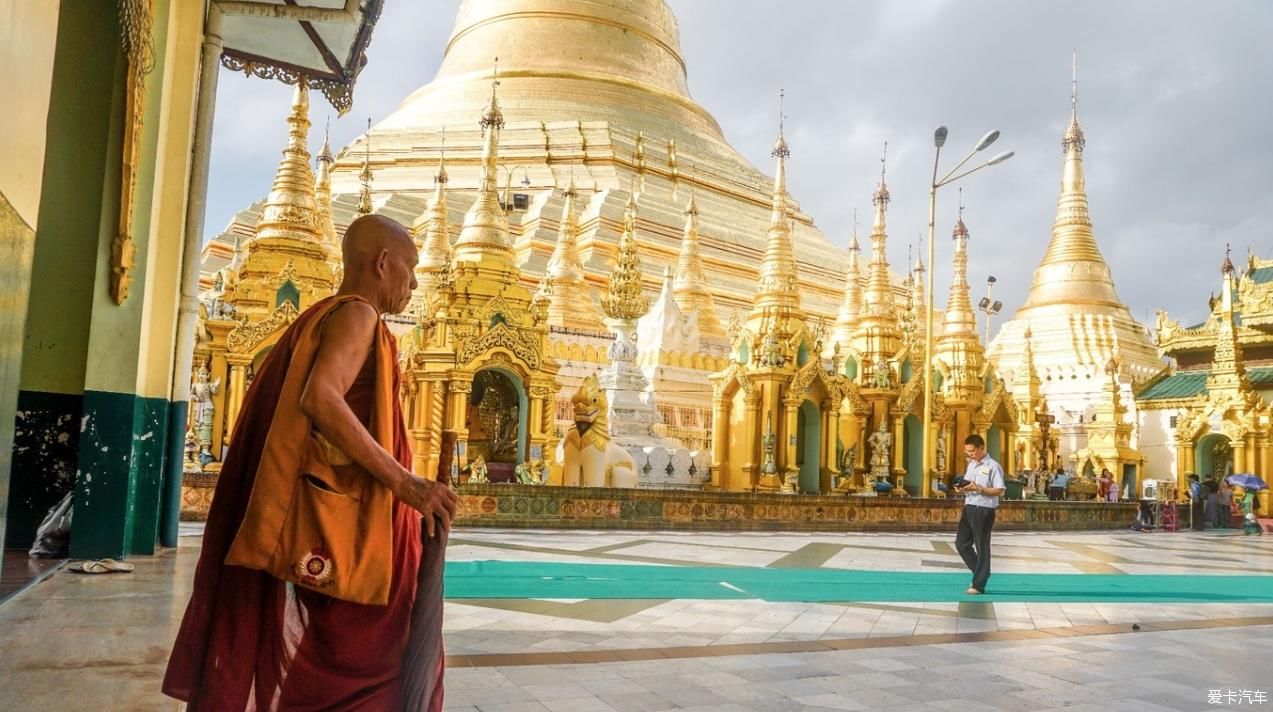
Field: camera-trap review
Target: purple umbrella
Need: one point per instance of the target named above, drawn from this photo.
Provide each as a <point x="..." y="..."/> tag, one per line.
<point x="1246" y="481"/>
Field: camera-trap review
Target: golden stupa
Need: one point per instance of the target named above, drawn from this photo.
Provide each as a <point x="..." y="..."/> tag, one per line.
<point x="1076" y="320"/>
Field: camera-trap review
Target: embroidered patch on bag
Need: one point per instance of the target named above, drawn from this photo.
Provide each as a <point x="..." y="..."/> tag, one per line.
<point x="315" y="568"/>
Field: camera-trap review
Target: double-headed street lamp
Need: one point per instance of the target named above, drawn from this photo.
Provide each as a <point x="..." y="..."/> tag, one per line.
<point x="508" y="184"/>
<point x="939" y="140"/>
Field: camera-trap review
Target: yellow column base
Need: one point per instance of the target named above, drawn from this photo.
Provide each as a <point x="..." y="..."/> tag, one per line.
<point x="769" y="483"/>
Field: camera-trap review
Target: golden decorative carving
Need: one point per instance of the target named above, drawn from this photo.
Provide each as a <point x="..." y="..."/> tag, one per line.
<point x="500" y="336"/>
<point x="136" y="18"/>
<point x="248" y="335"/>
<point x="625" y="298"/>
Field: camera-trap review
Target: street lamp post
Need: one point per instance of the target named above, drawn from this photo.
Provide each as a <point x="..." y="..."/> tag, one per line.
<point x="508" y="184"/>
<point x="988" y="306"/>
<point x="939" y="140"/>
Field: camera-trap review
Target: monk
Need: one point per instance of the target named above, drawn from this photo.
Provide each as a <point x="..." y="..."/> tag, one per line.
<point x="307" y="577"/>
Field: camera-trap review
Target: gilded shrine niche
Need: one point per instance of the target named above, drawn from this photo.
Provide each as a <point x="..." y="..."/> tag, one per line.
<point x="496" y="421"/>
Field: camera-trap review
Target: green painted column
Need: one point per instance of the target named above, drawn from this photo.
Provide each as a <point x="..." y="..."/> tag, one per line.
<point x="123" y="432"/>
<point x="64" y="262"/>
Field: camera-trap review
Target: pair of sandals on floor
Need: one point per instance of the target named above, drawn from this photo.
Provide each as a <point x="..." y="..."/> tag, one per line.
<point x="101" y="566"/>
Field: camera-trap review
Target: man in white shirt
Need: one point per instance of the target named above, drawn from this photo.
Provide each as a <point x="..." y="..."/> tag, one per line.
<point x="982" y="488"/>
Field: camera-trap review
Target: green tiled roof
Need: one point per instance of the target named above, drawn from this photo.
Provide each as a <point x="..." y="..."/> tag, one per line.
<point x="1262" y="275"/>
<point x="1177" y="385"/>
<point x="1190" y="383"/>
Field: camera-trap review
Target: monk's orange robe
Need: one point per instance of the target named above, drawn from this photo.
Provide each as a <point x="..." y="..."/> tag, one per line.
<point x="261" y="631"/>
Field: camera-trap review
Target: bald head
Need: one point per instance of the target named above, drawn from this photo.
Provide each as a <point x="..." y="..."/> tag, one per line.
<point x="368" y="236"/>
<point x="379" y="257"/>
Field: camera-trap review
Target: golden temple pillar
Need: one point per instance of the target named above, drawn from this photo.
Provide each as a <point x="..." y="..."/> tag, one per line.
<point x="1239" y="455"/>
<point x="899" y="452"/>
<point x="1262" y="455"/>
<point x="1184" y="463"/>
<point x="831" y="429"/>
<point x="720" y="443"/>
<point x="753" y="432"/>
<point x="434" y="404"/>
<point x="236" y="390"/>
<point x="789" y="466"/>
<point x="861" y="454"/>
<point x="457" y="408"/>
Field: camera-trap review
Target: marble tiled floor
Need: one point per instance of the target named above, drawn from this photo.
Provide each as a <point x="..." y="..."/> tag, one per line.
<point x="100" y="642"/>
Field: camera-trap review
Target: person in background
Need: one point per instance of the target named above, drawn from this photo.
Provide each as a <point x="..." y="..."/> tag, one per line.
<point x="1104" y="484"/>
<point x="1250" y="505"/>
<point x="1196" y="493"/>
<point x="1224" y="506"/>
<point x="1211" y="505"/>
<point x="1056" y="488"/>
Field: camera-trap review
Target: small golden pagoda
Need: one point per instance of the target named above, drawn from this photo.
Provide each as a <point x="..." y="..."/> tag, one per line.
<point x="478" y="361"/>
<point x="690" y="287"/>
<point x="433" y="238"/>
<point x="976" y="399"/>
<point x="776" y="408"/>
<point x="290" y="262"/>
<point x="1210" y="413"/>
<point x="570" y="301"/>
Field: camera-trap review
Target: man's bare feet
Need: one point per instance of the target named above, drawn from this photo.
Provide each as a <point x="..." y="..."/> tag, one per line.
<point x="972" y="592"/>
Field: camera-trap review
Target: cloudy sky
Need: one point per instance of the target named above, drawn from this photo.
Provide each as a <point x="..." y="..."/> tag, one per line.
<point x="1175" y="99"/>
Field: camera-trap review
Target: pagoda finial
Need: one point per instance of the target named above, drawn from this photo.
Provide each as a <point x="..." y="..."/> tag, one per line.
<point x="1227" y="267"/>
<point x="440" y="178"/>
<point x="484" y="236"/>
<point x="493" y="116"/>
<point x="781" y="152"/>
<point x="323" y="195"/>
<point x="881" y="197"/>
<point x="960" y="321"/>
<point x="1073" y="137"/>
<point x="291" y="209"/>
<point x="364" y="195"/>
<point x="624" y="298"/>
<point x="778" y="266"/>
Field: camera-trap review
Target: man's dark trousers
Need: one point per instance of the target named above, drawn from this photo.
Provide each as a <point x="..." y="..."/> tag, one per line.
<point x="1198" y="514"/>
<point x="972" y="541"/>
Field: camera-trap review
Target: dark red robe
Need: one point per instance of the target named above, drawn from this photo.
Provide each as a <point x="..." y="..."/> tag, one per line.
<point x="250" y="641"/>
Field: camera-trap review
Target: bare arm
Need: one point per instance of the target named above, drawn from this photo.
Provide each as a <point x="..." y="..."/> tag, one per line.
<point x="345" y="343"/>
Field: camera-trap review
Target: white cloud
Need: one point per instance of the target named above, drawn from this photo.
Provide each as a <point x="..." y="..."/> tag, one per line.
<point x="1173" y="97"/>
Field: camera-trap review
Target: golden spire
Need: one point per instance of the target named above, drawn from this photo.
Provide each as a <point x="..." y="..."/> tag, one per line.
<point x="484" y="237"/>
<point x="919" y="297"/>
<point x="878" y="298"/>
<point x="851" y="308"/>
<point x="323" y="196"/>
<point x="1228" y="369"/>
<point x="570" y="301"/>
<point x="435" y="247"/>
<point x="778" y="287"/>
<point x="625" y="299"/>
<point x="960" y="320"/>
<point x="291" y="210"/>
<point x="690" y="287"/>
<point x="1073" y="267"/>
<point x="364" y="177"/>
<point x="1026" y="381"/>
